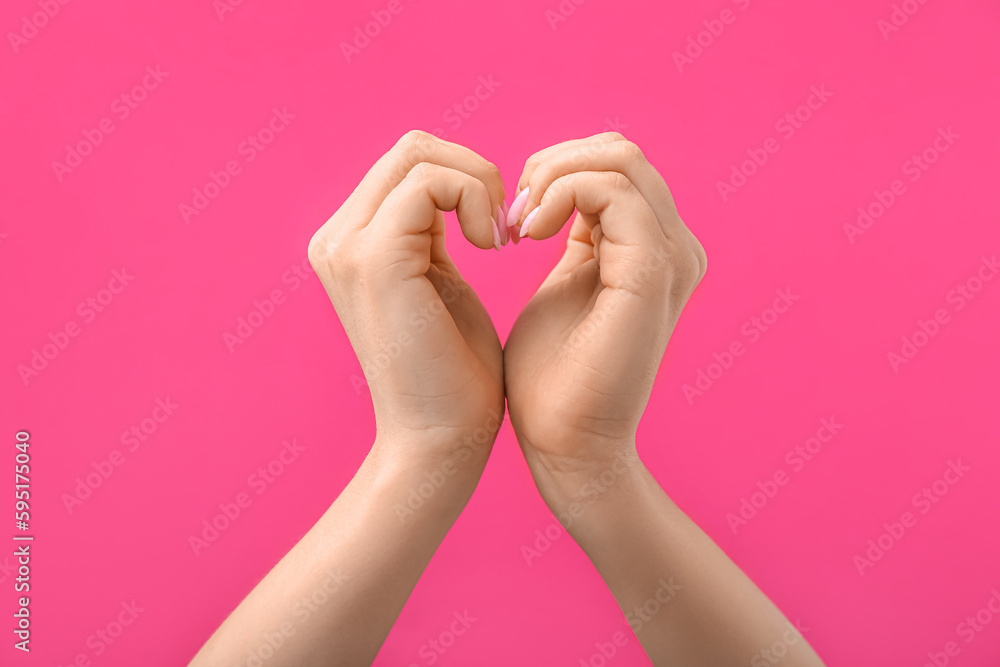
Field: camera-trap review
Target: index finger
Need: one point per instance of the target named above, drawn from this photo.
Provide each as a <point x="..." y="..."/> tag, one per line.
<point x="413" y="148"/>
<point x="603" y="152"/>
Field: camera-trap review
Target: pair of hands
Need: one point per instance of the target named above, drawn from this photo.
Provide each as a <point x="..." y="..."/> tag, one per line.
<point x="580" y="361"/>
<point x="576" y="374"/>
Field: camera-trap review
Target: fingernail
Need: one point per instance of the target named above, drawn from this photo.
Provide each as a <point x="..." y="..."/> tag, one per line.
<point x="503" y="206"/>
<point x="517" y="208"/>
<point x="527" y="221"/>
<point x="496" y="235"/>
<point x="502" y="226"/>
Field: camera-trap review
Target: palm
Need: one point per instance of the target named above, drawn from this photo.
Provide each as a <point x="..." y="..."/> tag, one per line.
<point x="572" y="358"/>
<point x="452" y="365"/>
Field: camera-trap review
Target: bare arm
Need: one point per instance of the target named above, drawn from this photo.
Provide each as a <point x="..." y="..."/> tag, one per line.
<point x="580" y="364"/>
<point x="434" y="365"/>
<point x="686" y="601"/>
<point x="333" y="599"/>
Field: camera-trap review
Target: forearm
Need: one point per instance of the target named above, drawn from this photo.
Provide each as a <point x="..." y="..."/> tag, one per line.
<point x="687" y="602"/>
<point x="334" y="597"/>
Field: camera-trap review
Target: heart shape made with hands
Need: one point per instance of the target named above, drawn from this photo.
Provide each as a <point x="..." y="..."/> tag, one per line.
<point x="576" y="374"/>
<point x="579" y="363"/>
<point x="586" y="346"/>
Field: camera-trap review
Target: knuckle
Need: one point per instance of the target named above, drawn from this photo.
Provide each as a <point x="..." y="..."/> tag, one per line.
<point x="581" y="158"/>
<point x="686" y="267"/>
<point x="547" y="191"/>
<point x="330" y="257"/>
<point x="702" y="258"/>
<point x="532" y="163"/>
<point x="327" y="257"/>
<point x="413" y="142"/>
<point x="493" y="176"/>
<point x="613" y="136"/>
<point x="620" y="182"/>
<point x="544" y="176"/>
<point x="695" y="249"/>
<point x="631" y="152"/>
<point x="420" y="172"/>
<point x="492" y="170"/>
<point x="318" y="250"/>
<point x="687" y="264"/>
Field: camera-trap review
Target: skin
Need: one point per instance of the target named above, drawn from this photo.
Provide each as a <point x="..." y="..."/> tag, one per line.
<point x="579" y="366"/>
<point x="438" y="400"/>
<point x="577" y="372"/>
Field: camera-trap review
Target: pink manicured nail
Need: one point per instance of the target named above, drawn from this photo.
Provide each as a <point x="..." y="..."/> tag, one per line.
<point x="527" y="221"/>
<point x="496" y="235"/>
<point x="517" y="208"/>
<point x="503" y="207"/>
<point x="502" y="226"/>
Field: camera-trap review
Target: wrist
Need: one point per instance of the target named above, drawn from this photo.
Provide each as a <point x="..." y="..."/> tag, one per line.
<point x="429" y="469"/>
<point x="571" y="486"/>
<point x="466" y="442"/>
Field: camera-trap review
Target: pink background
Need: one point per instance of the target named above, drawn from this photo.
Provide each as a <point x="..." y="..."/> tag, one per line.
<point x="608" y="65"/>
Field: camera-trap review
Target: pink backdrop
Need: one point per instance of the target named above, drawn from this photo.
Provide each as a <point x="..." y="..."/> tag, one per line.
<point x="773" y="122"/>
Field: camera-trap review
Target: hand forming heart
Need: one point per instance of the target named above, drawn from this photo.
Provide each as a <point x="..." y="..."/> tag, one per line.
<point x="576" y="372"/>
<point x="581" y="360"/>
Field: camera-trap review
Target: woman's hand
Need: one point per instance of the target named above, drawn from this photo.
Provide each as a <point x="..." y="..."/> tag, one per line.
<point x="435" y="368"/>
<point x="429" y="351"/>
<point x="580" y="364"/>
<point x="581" y="358"/>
